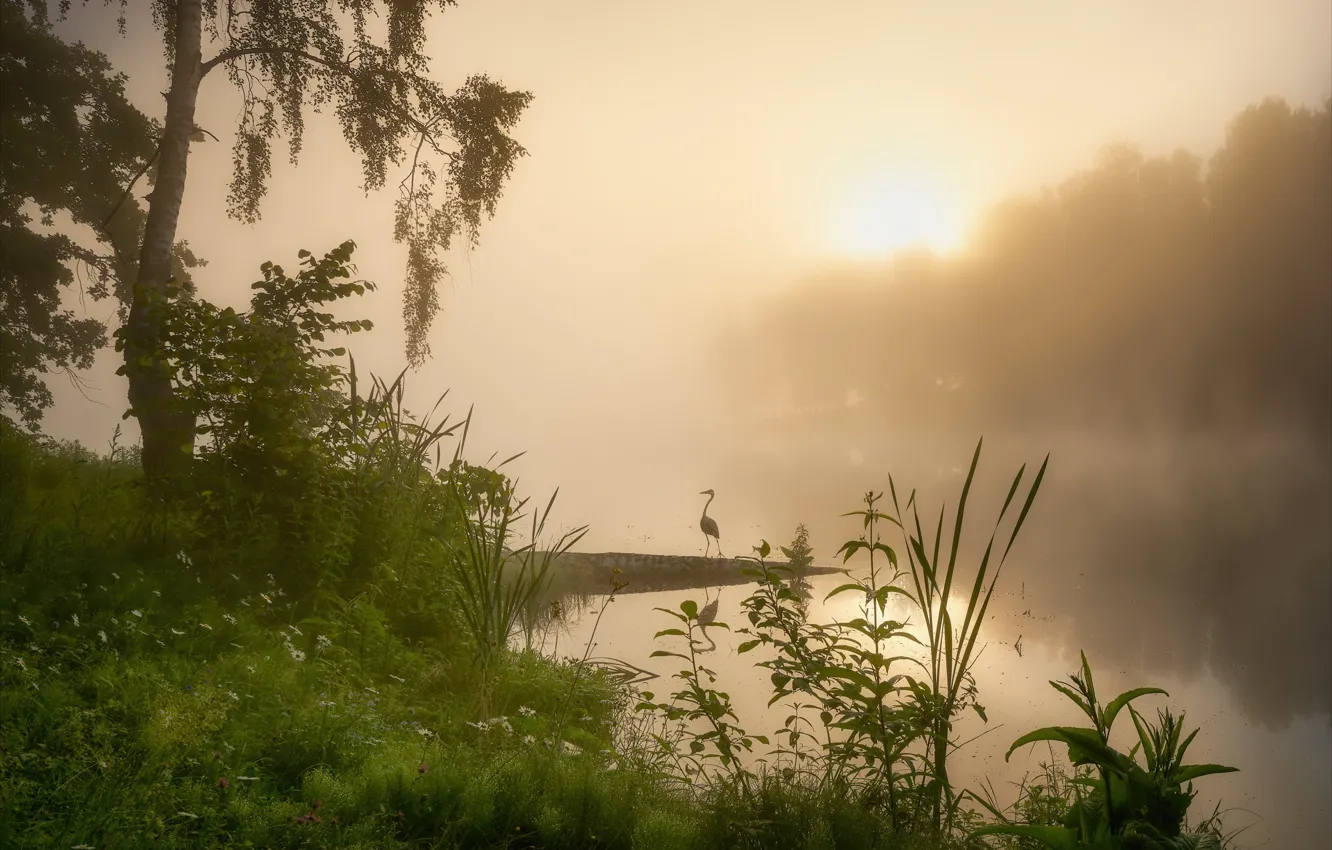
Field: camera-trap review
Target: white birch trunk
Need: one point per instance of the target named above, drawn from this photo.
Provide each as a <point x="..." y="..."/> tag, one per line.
<point x="168" y="434"/>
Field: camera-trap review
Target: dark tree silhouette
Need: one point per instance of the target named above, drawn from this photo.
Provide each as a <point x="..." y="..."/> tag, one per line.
<point x="284" y="58"/>
<point x="72" y="142"/>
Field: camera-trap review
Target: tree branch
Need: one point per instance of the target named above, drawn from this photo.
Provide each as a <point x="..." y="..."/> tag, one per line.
<point x="338" y="67"/>
<point x="130" y="187"/>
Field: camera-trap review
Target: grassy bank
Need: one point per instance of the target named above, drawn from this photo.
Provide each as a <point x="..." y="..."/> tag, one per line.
<point x="161" y="685"/>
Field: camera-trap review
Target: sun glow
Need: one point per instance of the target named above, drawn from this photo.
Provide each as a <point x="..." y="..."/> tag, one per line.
<point x="895" y="212"/>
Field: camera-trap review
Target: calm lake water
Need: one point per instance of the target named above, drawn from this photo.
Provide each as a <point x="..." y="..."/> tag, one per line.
<point x="1285" y="781"/>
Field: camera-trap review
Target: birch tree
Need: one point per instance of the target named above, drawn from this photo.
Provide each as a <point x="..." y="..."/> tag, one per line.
<point x="72" y="141"/>
<point x="363" y="59"/>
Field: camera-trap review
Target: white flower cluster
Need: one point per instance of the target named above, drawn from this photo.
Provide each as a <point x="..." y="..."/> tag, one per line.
<point x="493" y="723"/>
<point x="296" y="654"/>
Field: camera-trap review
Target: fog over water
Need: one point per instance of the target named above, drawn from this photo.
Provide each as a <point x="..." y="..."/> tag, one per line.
<point x="784" y="250"/>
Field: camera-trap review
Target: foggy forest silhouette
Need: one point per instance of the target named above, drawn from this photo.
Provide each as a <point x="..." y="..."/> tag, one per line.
<point x="1164" y="325"/>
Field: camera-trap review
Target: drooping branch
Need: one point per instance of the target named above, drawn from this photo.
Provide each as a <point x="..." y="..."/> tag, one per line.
<point x="343" y="68"/>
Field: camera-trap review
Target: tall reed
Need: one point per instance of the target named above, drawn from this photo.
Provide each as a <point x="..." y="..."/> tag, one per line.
<point x="491" y="582"/>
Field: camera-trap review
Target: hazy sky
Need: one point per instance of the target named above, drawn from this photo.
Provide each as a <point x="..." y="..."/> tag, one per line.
<point x="689" y="158"/>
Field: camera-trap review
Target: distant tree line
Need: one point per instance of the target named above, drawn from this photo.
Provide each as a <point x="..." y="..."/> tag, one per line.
<point x="1142" y="293"/>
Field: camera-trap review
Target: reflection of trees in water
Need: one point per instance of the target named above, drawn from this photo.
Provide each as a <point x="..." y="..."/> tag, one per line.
<point x="1164" y="328"/>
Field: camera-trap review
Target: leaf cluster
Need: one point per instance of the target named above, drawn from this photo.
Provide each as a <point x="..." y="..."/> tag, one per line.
<point x="1125" y="804"/>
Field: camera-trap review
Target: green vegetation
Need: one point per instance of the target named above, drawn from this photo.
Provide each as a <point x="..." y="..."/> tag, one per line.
<point x="315" y="643"/>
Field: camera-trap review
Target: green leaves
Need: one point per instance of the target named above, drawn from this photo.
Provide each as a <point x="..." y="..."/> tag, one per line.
<point x="1187" y="773"/>
<point x="1125" y="799"/>
<point x="1118" y="703"/>
<point x="720" y="738"/>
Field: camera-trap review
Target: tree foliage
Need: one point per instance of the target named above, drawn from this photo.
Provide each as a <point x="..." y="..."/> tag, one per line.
<point x="258" y="380"/>
<point x="366" y="61"/>
<point x="72" y="142"/>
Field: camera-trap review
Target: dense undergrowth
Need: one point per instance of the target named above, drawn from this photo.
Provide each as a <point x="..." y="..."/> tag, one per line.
<point x="312" y="642"/>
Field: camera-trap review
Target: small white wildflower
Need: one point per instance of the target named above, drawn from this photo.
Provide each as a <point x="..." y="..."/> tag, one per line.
<point x="397" y="678"/>
<point x="267" y="598"/>
<point x="74" y="618"/>
<point x="529" y="740"/>
<point x="296" y="654"/>
<point x="82" y="847"/>
<point x="19" y="662"/>
<point x="570" y="749"/>
<point x="114" y="621"/>
<point x="245" y="603"/>
<point x="103" y="587"/>
<point x="526" y="712"/>
<point x="236" y="577"/>
<point x="322" y="642"/>
<point x="136" y="612"/>
<point x="184" y="559"/>
<point x="159" y="642"/>
<point x="271" y="580"/>
<point x="176" y="631"/>
<point x="116" y="576"/>
<point x="248" y="778"/>
<point x="205" y="626"/>
<point x="372" y="690"/>
<point x="232" y="694"/>
<point x="101" y="633"/>
<point x="25" y="620"/>
<point x="327" y="703"/>
<point x="157" y="593"/>
<point x="585" y="718"/>
<point x="190" y="815"/>
<point x="296" y="631"/>
<point x="229" y="619"/>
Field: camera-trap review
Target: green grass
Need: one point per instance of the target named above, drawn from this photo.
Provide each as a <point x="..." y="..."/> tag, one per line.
<point x="324" y="664"/>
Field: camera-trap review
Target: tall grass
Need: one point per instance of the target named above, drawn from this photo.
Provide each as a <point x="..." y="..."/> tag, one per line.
<point x="493" y="584"/>
<point x="950" y="687"/>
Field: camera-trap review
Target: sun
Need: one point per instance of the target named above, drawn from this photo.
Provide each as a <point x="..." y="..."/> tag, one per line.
<point x="894" y="212"/>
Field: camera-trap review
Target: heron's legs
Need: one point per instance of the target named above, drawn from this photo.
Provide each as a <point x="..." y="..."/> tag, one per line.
<point x="708" y="548"/>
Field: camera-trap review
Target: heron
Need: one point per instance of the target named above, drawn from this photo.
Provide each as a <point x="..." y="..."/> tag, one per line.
<point x="708" y="614"/>
<point x="709" y="526"/>
<point x="706" y="617"/>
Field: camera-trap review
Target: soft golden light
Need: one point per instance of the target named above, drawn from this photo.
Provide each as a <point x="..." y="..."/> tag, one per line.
<point x="895" y="212"/>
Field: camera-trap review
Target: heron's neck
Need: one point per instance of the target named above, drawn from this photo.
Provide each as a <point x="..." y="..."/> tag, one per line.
<point x="705" y="507"/>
